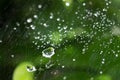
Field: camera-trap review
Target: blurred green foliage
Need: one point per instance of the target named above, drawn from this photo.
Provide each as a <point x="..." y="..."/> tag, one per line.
<point x="84" y="33"/>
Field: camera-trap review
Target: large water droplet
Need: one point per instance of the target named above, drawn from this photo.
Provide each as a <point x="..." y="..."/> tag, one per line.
<point x="31" y="68"/>
<point x="48" y="53"/>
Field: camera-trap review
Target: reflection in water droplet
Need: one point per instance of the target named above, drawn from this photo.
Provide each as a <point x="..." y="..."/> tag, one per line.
<point x="31" y="68"/>
<point x="49" y="65"/>
<point x="48" y="53"/>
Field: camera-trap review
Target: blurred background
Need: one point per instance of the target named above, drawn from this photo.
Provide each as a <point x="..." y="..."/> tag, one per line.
<point x="59" y="40"/>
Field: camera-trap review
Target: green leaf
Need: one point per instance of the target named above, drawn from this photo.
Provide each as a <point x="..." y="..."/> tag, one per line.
<point x="21" y="72"/>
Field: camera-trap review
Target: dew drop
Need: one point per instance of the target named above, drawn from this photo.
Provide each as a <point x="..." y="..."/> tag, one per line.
<point x="74" y="59"/>
<point x="91" y="78"/>
<point x="29" y="20"/>
<point x="0" y="41"/>
<point x="14" y="28"/>
<point x="84" y="4"/>
<point x="63" y="66"/>
<point x="48" y="53"/>
<point x="39" y="6"/>
<point x="49" y="65"/>
<point x="12" y="56"/>
<point x="101" y="72"/>
<point x="51" y="17"/>
<point x="45" y="25"/>
<point x="31" y="68"/>
<point x="64" y="78"/>
<point x="35" y="16"/>
<point x="58" y="19"/>
<point x="17" y="23"/>
<point x="116" y="55"/>
<point x="67" y="4"/>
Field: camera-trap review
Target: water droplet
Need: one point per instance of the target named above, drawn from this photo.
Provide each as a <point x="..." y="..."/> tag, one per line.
<point x="45" y="25"/>
<point x="49" y="65"/>
<point x="58" y="19"/>
<point x="63" y="66"/>
<point x="17" y="23"/>
<point x="0" y="41"/>
<point x="64" y="78"/>
<point x="67" y="4"/>
<point x="84" y="4"/>
<point x="14" y="28"/>
<point x="92" y="78"/>
<point x="29" y="20"/>
<point x="103" y="62"/>
<point x="48" y="53"/>
<point x="74" y="59"/>
<point x="12" y="56"/>
<point x="51" y="17"/>
<point x="32" y="27"/>
<point x="39" y="6"/>
<point x="35" y="16"/>
<point x="104" y="9"/>
<point x="101" y="72"/>
<point x="101" y="52"/>
<point x="31" y="68"/>
<point x="116" y="55"/>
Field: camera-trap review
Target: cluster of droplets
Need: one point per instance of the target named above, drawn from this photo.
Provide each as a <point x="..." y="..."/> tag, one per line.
<point x="38" y="35"/>
<point x="63" y="30"/>
<point x="46" y="53"/>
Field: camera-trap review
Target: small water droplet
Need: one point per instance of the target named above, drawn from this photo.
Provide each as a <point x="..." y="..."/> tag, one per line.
<point x="67" y="4"/>
<point x="0" y="41"/>
<point x="63" y="66"/>
<point x="64" y="78"/>
<point x="48" y="53"/>
<point x="49" y="65"/>
<point x="58" y="19"/>
<point x="12" y="56"/>
<point x="31" y="68"/>
<point x="101" y="72"/>
<point x="17" y="23"/>
<point x="84" y="4"/>
<point x="51" y="17"/>
<point x="39" y="6"/>
<point x="116" y="55"/>
<point x="45" y="25"/>
<point x="91" y="78"/>
<point x="29" y="20"/>
<point x="35" y="16"/>
<point x="14" y="28"/>
<point x="74" y="59"/>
